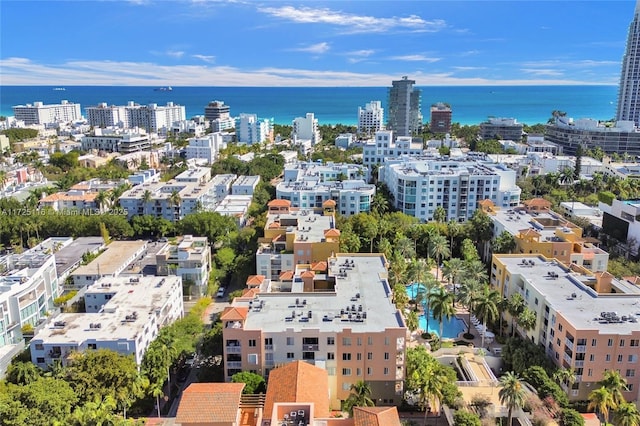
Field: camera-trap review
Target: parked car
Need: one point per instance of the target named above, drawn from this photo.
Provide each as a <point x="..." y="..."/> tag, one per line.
<point x="220" y="292"/>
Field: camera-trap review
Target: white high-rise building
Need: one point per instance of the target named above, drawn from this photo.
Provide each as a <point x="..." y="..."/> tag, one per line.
<point x="306" y="128"/>
<point x="39" y="113"/>
<point x="250" y="129"/>
<point x="206" y="147"/>
<point x="154" y="118"/>
<point x="629" y="90"/>
<point x="371" y="117"/>
<point x="103" y="115"/>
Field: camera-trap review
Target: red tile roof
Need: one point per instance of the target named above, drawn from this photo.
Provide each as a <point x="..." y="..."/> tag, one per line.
<point x="286" y="276"/>
<point x="209" y="403"/>
<point x="279" y="203"/>
<point x="319" y="266"/>
<point x="308" y="274"/>
<point x="328" y="203"/>
<point x="333" y="232"/>
<point x="255" y="280"/>
<point x="234" y="314"/>
<point x="541" y="202"/>
<point x="298" y="381"/>
<point x="376" y="416"/>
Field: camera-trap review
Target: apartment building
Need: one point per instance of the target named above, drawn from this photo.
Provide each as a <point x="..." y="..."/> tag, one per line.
<point x="294" y="235"/>
<point x="384" y="146"/>
<point x="215" y="110"/>
<point x="245" y="185"/>
<point x="344" y="140"/>
<point x="104" y="115"/>
<point x="117" y="140"/>
<point x="421" y="184"/>
<point x="111" y="263"/>
<point x="206" y="148"/>
<point x="337" y="314"/>
<point x="235" y="206"/>
<point x="538" y="230"/>
<point x="405" y="117"/>
<point x="440" y="118"/>
<point x="620" y="220"/>
<point x="124" y="314"/>
<point x="250" y="129"/>
<point x="628" y="96"/>
<point x="70" y="200"/>
<point x="622" y="137"/>
<point x="370" y="118"/>
<point x="306" y="128"/>
<point x="588" y="322"/>
<point x="190" y="127"/>
<point x="501" y="128"/>
<point x="188" y="257"/>
<point x="39" y="113"/>
<point x="153" y="117"/>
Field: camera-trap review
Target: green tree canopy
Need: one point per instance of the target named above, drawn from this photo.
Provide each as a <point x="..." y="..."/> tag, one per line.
<point x="254" y="383"/>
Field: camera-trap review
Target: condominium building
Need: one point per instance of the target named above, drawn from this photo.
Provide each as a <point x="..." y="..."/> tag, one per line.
<point x="221" y="185"/>
<point x="405" y="117"/>
<point x="337" y="314"/>
<point x="104" y="115"/>
<point x="39" y="113"/>
<point x="622" y="137"/>
<point x="245" y="185"/>
<point x="117" y="140"/>
<point x="250" y="129"/>
<point x="122" y="314"/>
<point x="421" y="184"/>
<point x="110" y="263"/>
<point x="215" y="110"/>
<point x="629" y="89"/>
<point x="385" y="145"/>
<point x="71" y="200"/>
<point x="293" y="236"/>
<point x="188" y="257"/>
<point x="620" y="221"/>
<point x="440" y="118"/>
<point x="235" y="206"/>
<point x="537" y="229"/>
<point x="155" y="118"/>
<point x="205" y="148"/>
<point x="306" y="128"/>
<point x="501" y="128"/>
<point x="587" y="322"/>
<point x="370" y="118"/>
<point x="309" y="185"/>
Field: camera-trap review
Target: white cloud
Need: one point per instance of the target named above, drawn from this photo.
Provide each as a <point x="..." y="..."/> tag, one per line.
<point x="415" y="58"/>
<point x="317" y="48"/>
<point x="469" y="68"/>
<point x="354" y="23"/>
<point x="543" y="72"/>
<point x="359" y="55"/>
<point x="22" y="71"/>
<point x="206" y="58"/>
<point x="175" y="53"/>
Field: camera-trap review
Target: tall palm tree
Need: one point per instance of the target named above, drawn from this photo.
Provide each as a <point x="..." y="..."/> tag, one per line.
<point x="454" y="229"/>
<point x="439" y="248"/>
<point x="400" y="297"/>
<point x="454" y="270"/>
<point x="476" y="270"/>
<point x="359" y="396"/>
<point x="174" y="201"/>
<point x="515" y="308"/>
<point x="527" y="320"/>
<point x="432" y="384"/>
<point x="601" y="400"/>
<point x="512" y="393"/>
<point x="467" y="296"/>
<point x="412" y="321"/>
<point x="146" y="199"/>
<point x="565" y="376"/>
<point x="626" y="415"/>
<point x="101" y="200"/>
<point x="405" y="247"/>
<point x="486" y="306"/>
<point x="614" y="383"/>
<point x="441" y="302"/>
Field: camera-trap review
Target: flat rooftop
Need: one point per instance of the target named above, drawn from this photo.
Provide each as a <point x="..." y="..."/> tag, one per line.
<point x="361" y="290"/>
<point x="111" y="261"/>
<point x="545" y="224"/>
<point x="569" y="294"/>
<point x="305" y="223"/>
<point x="69" y="255"/>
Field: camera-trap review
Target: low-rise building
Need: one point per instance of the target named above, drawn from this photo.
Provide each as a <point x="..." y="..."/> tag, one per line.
<point x="70" y="200"/>
<point x="621" y="137"/>
<point x="501" y="128"/>
<point x="235" y="206"/>
<point x="344" y="140"/>
<point x="188" y="257"/>
<point x="124" y="315"/>
<point x="251" y="130"/>
<point x="117" y="140"/>
<point x="586" y="322"/>
<point x="111" y="263"/>
<point x="205" y="148"/>
<point x="245" y="185"/>
<point x="337" y="314"/>
<point x="384" y="145"/>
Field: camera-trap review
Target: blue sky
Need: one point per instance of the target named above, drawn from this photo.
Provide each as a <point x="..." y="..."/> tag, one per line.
<point x="304" y="43"/>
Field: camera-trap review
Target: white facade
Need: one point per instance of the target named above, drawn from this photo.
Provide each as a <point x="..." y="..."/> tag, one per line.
<point x="206" y="147"/>
<point x="155" y="118"/>
<point x="421" y="184"/>
<point x="344" y="140"/>
<point x="306" y="128"/>
<point x="123" y="314"/>
<point x="384" y="145"/>
<point x="189" y="126"/>
<point x="250" y="129"/>
<point x="39" y="113"/>
<point x="371" y="117"/>
<point x="116" y="140"/>
<point x="103" y="115"/>
<point x="629" y="89"/>
<point x="235" y="206"/>
<point x="191" y="258"/>
<point x="620" y="220"/>
<point x="245" y="185"/>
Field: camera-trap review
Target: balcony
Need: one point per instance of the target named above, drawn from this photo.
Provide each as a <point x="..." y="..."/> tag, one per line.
<point x="581" y="349"/>
<point x="568" y="343"/>
<point x="268" y="347"/>
<point x="233" y="364"/>
<point x="234" y="349"/>
<point x="310" y="347"/>
<point x="579" y="364"/>
<point x="567" y="359"/>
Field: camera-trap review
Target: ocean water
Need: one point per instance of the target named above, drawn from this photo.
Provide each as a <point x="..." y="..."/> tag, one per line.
<point x="333" y="105"/>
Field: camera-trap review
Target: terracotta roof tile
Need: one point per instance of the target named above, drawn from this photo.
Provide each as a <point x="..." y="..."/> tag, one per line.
<point x="376" y="416"/>
<point x="209" y="403"/>
<point x="319" y="266"/>
<point x="250" y="293"/>
<point x="279" y="203"/>
<point x="298" y="381"/>
<point x="537" y="202"/>
<point x="329" y="203"/>
<point x="286" y="276"/>
<point x="333" y="232"/>
<point x="308" y="274"/>
<point x="255" y="280"/>
<point x="234" y="313"/>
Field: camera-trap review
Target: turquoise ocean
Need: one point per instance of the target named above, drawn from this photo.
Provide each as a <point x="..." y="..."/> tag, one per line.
<point x="333" y="105"/>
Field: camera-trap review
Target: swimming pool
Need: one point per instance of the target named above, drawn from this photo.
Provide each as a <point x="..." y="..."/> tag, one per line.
<point x="451" y="327"/>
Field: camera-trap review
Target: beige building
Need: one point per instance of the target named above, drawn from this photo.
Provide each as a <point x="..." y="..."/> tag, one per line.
<point x="189" y="257"/>
<point x="337" y="315"/>
<point x="586" y="321"/>
<point x="110" y="263"/>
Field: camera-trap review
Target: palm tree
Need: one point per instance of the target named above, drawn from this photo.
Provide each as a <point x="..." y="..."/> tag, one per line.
<point x="614" y="383"/>
<point x="486" y="306"/>
<point x="174" y="201"/>
<point x="453" y="270"/>
<point x="453" y="230"/>
<point x="359" y="396"/>
<point x="441" y="302"/>
<point x="400" y="297"/>
<point x="515" y="308"/>
<point x="467" y="296"/>
<point x="412" y="321"/>
<point x="101" y="199"/>
<point x="439" y="248"/>
<point x="512" y="393"/>
<point x="146" y="199"/>
<point x="405" y="247"/>
<point x="527" y="320"/>
<point x="626" y="415"/>
<point x="157" y="392"/>
<point x="475" y="270"/>
<point x="601" y="400"/>
<point x="566" y="376"/>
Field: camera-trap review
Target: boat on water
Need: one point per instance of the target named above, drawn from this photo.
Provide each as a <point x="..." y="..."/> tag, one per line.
<point x="59" y="88"/>
<point x="163" y="89"/>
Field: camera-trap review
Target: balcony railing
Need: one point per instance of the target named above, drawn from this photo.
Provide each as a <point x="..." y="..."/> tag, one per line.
<point x="234" y="364"/>
<point x="234" y="349"/>
<point x="568" y="343"/>
<point x="567" y="358"/>
<point x="268" y="347"/>
<point x="310" y="347"/>
<point x="581" y="349"/>
<point x="579" y="364"/>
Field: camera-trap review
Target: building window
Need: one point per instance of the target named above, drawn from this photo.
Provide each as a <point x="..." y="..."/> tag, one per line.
<point x="358" y="372"/>
<point x="619" y="358"/>
<point x="252" y="343"/>
<point x="331" y="355"/>
<point x="331" y="371"/>
<point x="369" y="356"/>
<point x="633" y="358"/>
<point x="369" y="371"/>
<point x="590" y="372"/>
<point x="346" y="356"/>
<point x="358" y="357"/>
<point x="331" y="341"/>
<point x="594" y="342"/>
<point x="359" y="341"/>
<point x="621" y="343"/>
<point x="610" y="342"/>
<point x="386" y="355"/>
<point x="607" y="358"/>
<point x="92" y="346"/>
<point x="630" y="373"/>
<point x="592" y="357"/>
<point x="370" y="340"/>
<point x="268" y="341"/>
<point x="290" y="355"/>
<point x="386" y="341"/>
<point x="39" y="347"/>
<point x="634" y="342"/>
<point x="386" y="371"/>
<point x="290" y="341"/>
<point x="346" y="341"/>
<point x="346" y="371"/>
<point x="40" y="360"/>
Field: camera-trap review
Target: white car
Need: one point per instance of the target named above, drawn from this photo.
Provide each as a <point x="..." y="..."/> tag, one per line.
<point x="220" y="292"/>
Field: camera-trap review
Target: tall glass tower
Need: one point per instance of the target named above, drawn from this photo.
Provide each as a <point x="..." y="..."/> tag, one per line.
<point x="405" y="117"/>
<point x="629" y="91"/>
